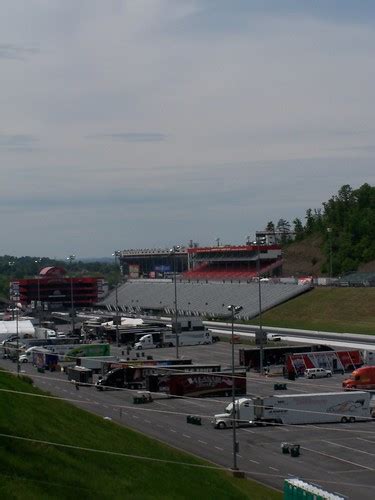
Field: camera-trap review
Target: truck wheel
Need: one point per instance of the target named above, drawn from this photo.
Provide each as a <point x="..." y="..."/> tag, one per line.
<point x="170" y="344"/>
<point x="313" y="376"/>
<point x="221" y="425"/>
<point x="352" y="420"/>
<point x="329" y="374"/>
<point x="344" y="420"/>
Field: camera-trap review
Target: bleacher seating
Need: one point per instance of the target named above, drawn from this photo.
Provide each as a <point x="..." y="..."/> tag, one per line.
<point x="211" y="272"/>
<point x="202" y="298"/>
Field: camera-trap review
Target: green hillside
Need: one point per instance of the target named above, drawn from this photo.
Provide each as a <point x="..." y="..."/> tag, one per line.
<point x="327" y="309"/>
<point x="45" y="471"/>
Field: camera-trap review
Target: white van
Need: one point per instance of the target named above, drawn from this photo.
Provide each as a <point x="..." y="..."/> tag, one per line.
<point x="317" y="373"/>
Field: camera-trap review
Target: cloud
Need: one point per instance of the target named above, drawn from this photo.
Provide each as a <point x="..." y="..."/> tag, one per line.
<point x="11" y="51"/>
<point x="17" y="142"/>
<point x="131" y="137"/>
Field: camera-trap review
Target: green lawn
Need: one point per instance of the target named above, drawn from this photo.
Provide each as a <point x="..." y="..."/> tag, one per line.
<point x="42" y="471"/>
<point x="349" y="310"/>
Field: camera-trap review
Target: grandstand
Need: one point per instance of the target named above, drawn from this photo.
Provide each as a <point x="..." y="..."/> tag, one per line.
<point x="200" y="298"/>
<point x="233" y="262"/>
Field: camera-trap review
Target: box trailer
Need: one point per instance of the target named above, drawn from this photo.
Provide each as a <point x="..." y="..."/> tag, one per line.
<point x="293" y="409"/>
<point x="45" y="360"/>
<point x="197" y="384"/>
<point x="79" y="375"/>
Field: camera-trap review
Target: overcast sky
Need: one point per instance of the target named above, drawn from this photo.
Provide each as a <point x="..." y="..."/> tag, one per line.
<point x="142" y="123"/>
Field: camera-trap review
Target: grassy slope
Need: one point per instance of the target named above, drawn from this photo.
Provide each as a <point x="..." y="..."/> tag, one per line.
<point x="35" y="471"/>
<point x="327" y="309"/>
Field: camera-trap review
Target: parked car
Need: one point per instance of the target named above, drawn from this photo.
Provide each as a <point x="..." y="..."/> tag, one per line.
<point x="317" y="373"/>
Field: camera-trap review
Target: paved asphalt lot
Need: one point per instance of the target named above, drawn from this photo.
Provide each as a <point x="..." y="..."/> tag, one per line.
<point x="338" y="457"/>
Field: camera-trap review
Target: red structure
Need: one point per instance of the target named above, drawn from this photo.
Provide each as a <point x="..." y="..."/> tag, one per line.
<point x="54" y="288"/>
<point x="233" y="262"/>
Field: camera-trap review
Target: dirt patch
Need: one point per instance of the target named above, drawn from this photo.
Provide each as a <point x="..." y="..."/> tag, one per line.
<point x="304" y="257"/>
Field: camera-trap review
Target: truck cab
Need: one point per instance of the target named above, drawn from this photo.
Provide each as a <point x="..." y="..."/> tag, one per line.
<point x="362" y="378"/>
<point x="145" y="342"/>
<point x="245" y="414"/>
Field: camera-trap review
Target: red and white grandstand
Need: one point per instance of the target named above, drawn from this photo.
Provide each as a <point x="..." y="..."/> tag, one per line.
<point x="233" y="262"/>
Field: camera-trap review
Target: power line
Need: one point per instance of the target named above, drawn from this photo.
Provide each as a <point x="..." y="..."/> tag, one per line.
<point x="169" y="412"/>
<point x="171" y="462"/>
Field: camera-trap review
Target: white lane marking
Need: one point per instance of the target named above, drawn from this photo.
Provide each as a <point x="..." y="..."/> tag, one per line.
<point x="186" y="436"/>
<point x="346" y="471"/>
<point x="218" y="448"/>
<point x="353" y="449"/>
<point x="282" y="428"/>
<point x="172" y="430"/>
<point x="162" y="404"/>
<point x="88" y="399"/>
<point x="147" y="421"/>
<point x="254" y="461"/>
<point x="239" y="456"/>
<point x="64" y="390"/>
<point x="248" y="430"/>
<point x="200" y="441"/>
<point x="135" y="416"/>
<point x="105" y="406"/>
<point x="158" y="425"/>
<point x="367" y="440"/>
<point x="273" y="468"/>
<point x="337" y="458"/>
<point x="43" y="382"/>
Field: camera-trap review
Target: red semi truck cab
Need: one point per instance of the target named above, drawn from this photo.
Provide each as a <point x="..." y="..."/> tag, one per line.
<point x="362" y="378"/>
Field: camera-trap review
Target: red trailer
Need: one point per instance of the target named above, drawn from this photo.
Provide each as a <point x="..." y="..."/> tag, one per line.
<point x="197" y="384"/>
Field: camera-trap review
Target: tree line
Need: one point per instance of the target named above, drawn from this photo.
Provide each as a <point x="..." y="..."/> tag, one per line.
<point x="346" y="223"/>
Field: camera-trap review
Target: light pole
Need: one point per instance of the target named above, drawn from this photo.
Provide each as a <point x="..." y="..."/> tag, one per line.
<point x="71" y="258"/>
<point x="115" y="255"/>
<point x="329" y="231"/>
<point x="39" y="305"/>
<point x="173" y="251"/>
<point x="260" y="313"/>
<point x="234" y="310"/>
<point x="18" y="339"/>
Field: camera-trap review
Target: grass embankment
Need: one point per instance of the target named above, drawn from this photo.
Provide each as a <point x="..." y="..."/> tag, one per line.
<point x="349" y="310"/>
<point x="42" y="471"/>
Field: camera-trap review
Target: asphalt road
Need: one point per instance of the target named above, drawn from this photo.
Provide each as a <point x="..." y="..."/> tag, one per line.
<point x="339" y="457"/>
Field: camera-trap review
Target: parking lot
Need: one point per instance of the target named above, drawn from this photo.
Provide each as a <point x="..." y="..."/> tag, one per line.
<point x="339" y="457"/>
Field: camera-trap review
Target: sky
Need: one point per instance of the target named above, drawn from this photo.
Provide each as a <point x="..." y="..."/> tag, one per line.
<point x="148" y="123"/>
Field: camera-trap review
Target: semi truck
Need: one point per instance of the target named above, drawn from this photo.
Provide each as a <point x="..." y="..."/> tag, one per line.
<point x="189" y="331"/>
<point x="293" y="409"/>
<point x="361" y="378"/>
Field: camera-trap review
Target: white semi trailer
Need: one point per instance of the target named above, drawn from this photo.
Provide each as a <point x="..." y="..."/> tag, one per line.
<point x="191" y="331"/>
<point x="325" y="407"/>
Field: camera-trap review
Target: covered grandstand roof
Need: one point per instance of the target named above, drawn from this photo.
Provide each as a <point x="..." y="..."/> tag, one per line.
<point x="202" y="298"/>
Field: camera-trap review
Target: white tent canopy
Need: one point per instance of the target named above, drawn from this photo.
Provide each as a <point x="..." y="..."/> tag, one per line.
<point x="10" y="327"/>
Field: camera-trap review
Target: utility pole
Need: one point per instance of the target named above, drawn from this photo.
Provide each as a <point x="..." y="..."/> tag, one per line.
<point x="234" y="310"/>
<point x="173" y="252"/>
<point x="329" y="231"/>
<point x="115" y="255"/>
<point x="260" y="313"/>
<point x="71" y="258"/>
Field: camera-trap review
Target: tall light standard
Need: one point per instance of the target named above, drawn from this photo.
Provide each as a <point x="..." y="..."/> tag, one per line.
<point x="260" y="312"/>
<point x="329" y="231"/>
<point x="173" y="252"/>
<point x="39" y="304"/>
<point x="234" y="310"/>
<point x="71" y="259"/>
<point x="115" y="255"/>
<point x="17" y="305"/>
